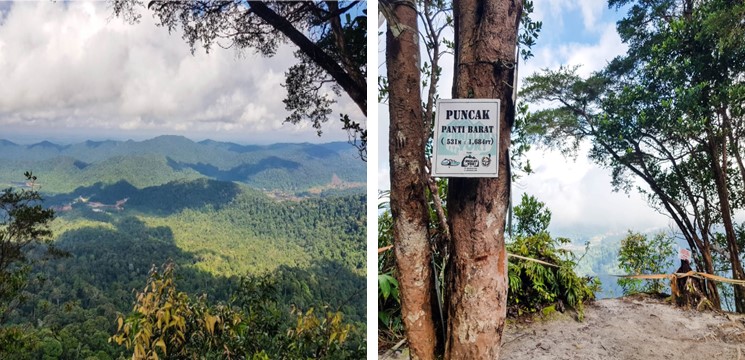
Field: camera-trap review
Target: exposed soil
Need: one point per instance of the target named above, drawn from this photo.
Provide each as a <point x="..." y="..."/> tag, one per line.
<point x="633" y="328"/>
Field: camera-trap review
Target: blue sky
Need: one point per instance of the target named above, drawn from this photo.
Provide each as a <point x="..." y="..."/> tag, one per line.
<point x="70" y="71"/>
<point x="579" y="194"/>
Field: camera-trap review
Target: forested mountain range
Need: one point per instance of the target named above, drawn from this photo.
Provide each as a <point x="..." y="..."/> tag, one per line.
<point x="123" y="208"/>
<point x="286" y="168"/>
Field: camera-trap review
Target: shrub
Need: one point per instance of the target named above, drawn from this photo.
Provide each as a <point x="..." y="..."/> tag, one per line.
<point x="534" y="286"/>
<point x="168" y="324"/>
<point x="641" y="255"/>
<point x="389" y="302"/>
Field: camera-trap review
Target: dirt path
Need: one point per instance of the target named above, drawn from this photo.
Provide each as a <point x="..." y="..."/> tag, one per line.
<point x="627" y="329"/>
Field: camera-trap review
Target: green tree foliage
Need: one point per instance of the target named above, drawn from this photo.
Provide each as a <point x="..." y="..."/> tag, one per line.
<point x="168" y="324"/>
<point x="668" y="112"/>
<point x="311" y="252"/>
<point x="531" y="217"/>
<point x="24" y="343"/>
<point x="641" y="255"/>
<point x="24" y="224"/>
<point x="534" y="286"/>
<point x="390" y="326"/>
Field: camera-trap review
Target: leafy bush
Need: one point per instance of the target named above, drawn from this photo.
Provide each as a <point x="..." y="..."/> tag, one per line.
<point x="168" y="324"/>
<point x="641" y="255"/>
<point x="534" y="286"/>
<point x="389" y="302"/>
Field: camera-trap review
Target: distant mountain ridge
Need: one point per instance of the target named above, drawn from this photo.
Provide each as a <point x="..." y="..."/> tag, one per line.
<point x="285" y="167"/>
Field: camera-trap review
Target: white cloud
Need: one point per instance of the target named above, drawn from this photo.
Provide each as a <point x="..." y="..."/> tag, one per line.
<point x="384" y="173"/>
<point x="595" y="56"/>
<point x="589" y="57"/>
<point x="550" y="9"/>
<point x="556" y="11"/>
<point x="577" y="191"/>
<point x="581" y="198"/>
<point x="74" y="66"/>
<point x="591" y="10"/>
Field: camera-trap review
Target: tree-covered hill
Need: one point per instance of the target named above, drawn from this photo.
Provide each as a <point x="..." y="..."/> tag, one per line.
<point x="313" y="252"/>
<point x="210" y="208"/>
<point x="289" y="168"/>
<point x="233" y="228"/>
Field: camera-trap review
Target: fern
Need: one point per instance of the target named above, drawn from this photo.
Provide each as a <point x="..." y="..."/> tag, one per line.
<point x="534" y="286"/>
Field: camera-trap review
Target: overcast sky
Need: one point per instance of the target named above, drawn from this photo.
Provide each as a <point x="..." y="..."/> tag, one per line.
<point x="72" y="71"/>
<point x="579" y="194"/>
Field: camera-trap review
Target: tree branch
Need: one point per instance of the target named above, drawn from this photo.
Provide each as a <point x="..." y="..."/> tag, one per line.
<point x="356" y="90"/>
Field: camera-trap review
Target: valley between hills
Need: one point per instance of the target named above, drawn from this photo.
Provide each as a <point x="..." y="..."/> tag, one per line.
<point x="288" y="216"/>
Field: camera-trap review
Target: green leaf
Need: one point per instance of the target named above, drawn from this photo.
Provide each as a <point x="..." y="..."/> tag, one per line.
<point x="385" y="285"/>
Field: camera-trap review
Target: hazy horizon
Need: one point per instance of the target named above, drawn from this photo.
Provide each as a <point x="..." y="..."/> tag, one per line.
<point x="31" y="139"/>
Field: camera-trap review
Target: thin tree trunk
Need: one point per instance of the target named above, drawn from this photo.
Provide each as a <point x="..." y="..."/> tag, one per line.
<point x="727" y="122"/>
<point x="712" y="293"/>
<point x="720" y="180"/>
<point x="408" y="196"/>
<point x="727" y="127"/>
<point x="486" y="34"/>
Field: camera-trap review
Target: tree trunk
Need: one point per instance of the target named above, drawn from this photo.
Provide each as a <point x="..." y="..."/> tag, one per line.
<point x="712" y="293"/>
<point x="486" y="34"/>
<point x="720" y="180"/>
<point x="406" y="143"/>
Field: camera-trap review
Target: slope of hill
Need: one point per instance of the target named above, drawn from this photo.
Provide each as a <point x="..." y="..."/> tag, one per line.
<point x="288" y="168"/>
<point x="312" y="251"/>
<point x="241" y="229"/>
<point x="124" y="207"/>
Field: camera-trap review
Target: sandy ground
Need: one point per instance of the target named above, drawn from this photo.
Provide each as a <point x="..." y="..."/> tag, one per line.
<point x="625" y="329"/>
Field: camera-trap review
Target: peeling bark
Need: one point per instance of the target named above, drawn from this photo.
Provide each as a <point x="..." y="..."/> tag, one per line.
<point x="486" y="35"/>
<point x="407" y="139"/>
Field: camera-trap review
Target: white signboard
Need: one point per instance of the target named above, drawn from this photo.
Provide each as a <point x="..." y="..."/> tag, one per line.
<point x="466" y="138"/>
